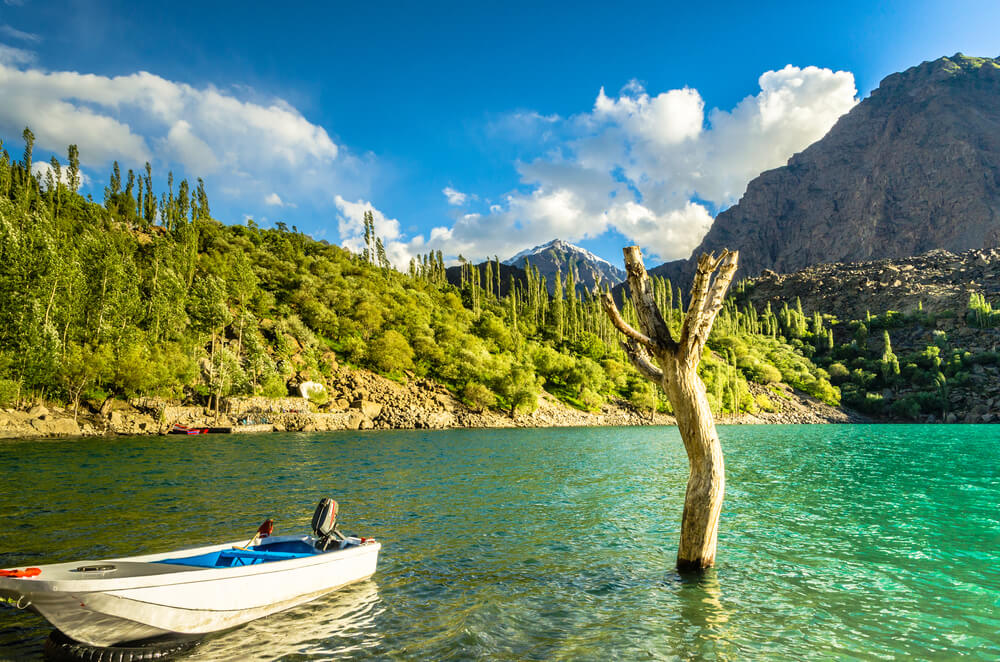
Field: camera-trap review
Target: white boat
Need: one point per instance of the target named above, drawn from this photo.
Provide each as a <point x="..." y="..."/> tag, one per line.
<point x="195" y="591"/>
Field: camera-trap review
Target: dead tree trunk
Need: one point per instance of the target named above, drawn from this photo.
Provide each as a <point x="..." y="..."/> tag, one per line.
<point x="673" y="364"/>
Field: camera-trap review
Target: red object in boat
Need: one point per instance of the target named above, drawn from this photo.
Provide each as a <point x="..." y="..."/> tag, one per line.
<point x="266" y="529"/>
<point x="27" y="572"/>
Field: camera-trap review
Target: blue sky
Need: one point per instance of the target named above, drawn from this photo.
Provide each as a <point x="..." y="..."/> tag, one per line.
<point x="477" y="128"/>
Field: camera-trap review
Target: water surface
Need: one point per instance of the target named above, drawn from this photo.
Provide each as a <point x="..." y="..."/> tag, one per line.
<point x="836" y="542"/>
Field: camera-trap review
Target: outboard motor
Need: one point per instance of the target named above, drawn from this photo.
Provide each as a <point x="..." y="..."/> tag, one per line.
<point x="324" y="524"/>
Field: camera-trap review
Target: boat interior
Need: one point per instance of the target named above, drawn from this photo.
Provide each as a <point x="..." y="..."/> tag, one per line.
<point x="324" y="525"/>
<point x="263" y="553"/>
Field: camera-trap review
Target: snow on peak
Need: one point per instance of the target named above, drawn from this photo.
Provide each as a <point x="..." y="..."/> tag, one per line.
<point x="560" y="246"/>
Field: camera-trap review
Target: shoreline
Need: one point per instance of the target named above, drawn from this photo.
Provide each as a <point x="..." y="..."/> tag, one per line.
<point x="361" y="400"/>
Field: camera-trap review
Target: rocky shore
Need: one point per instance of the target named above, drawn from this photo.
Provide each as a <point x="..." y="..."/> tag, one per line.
<point x="361" y="400"/>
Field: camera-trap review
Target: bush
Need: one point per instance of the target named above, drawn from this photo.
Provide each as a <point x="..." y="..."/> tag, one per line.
<point x="764" y="403"/>
<point x="274" y="387"/>
<point x="838" y="373"/>
<point x="390" y="351"/>
<point x="762" y="373"/>
<point x="9" y="390"/>
<point x="478" y="397"/>
<point x="908" y="407"/>
<point x="590" y="400"/>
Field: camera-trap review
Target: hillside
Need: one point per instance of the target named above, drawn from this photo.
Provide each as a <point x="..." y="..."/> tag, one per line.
<point x="915" y="338"/>
<point x="147" y="296"/>
<point x="913" y="167"/>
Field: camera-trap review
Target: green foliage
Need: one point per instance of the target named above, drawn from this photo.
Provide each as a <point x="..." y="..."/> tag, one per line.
<point x="477" y="397"/>
<point x="390" y="351"/>
<point x="9" y="392"/>
<point x="146" y="294"/>
<point x="980" y="312"/>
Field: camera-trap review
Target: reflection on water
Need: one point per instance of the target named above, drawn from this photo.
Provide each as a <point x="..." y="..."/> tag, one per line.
<point x="339" y="625"/>
<point x="836" y="542"/>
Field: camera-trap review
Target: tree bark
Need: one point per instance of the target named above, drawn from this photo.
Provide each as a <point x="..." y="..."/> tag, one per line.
<point x="673" y="364"/>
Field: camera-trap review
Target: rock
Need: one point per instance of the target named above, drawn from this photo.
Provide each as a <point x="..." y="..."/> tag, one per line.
<point x="354" y="419"/>
<point x="56" y="426"/>
<point x="38" y="411"/>
<point x="311" y="388"/>
<point x="369" y="409"/>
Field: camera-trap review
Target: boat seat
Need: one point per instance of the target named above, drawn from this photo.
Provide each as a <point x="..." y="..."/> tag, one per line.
<point x="251" y="557"/>
<point x="229" y="558"/>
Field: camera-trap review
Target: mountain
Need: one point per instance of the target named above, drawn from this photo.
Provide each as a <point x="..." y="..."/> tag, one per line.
<point x="912" y="168"/>
<point x="557" y="255"/>
<point x="507" y="273"/>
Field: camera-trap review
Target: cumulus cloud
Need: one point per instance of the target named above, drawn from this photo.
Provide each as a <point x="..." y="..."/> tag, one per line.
<point x="456" y="198"/>
<point x="274" y="200"/>
<point x="41" y="169"/>
<point x="653" y="167"/>
<point x="201" y="131"/>
<point x="351" y="226"/>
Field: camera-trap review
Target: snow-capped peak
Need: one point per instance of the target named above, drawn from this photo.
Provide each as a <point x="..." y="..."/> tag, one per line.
<point x="560" y="246"/>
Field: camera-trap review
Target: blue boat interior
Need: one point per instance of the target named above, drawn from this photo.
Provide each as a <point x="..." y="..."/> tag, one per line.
<point x="231" y="558"/>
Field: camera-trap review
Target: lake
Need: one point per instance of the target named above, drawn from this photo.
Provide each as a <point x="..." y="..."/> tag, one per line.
<point x="836" y="542"/>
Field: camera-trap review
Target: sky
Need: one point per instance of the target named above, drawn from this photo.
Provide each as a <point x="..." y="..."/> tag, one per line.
<point x="477" y="129"/>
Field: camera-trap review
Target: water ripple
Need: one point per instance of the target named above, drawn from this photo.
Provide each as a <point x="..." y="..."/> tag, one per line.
<point x="837" y="542"/>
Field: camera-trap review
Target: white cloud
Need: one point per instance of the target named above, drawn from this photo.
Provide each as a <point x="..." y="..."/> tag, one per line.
<point x="351" y="226"/>
<point x="42" y="169"/>
<point x="12" y="55"/>
<point x="651" y="166"/>
<point x="199" y="131"/>
<point x="14" y="33"/>
<point x="456" y="198"/>
<point x="273" y="200"/>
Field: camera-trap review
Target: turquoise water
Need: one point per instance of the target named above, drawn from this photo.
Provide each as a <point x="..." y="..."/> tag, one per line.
<point x="836" y="542"/>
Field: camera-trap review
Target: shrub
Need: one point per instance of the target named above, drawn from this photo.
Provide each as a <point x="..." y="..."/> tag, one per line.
<point x="390" y="351"/>
<point x="478" y="397"/>
<point x="764" y="403"/>
<point x="9" y="390"/>
<point x="838" y="372"/>
<point x="762" y="373"/>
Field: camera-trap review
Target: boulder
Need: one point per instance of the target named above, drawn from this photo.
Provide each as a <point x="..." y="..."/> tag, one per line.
<point x="56" y="426"/>
<point x="38" y="411"/>
<point x="354" y="420"/>
<point x="311" y="388"/>
<point x="368" y="408"/>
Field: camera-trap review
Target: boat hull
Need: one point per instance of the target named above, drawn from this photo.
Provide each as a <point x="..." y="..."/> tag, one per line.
<point x="182" y="600"/>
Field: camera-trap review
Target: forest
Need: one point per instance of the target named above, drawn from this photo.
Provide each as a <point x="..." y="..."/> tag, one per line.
<point x="146" y="294"/>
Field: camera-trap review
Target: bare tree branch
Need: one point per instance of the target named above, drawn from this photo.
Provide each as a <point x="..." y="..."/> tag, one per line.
<point x="640" y="359"/>
<point x="616" y="318"/>
<point x="716" y="297"/>
<point x="650" y="318"/>
<point x="707" y="264"/>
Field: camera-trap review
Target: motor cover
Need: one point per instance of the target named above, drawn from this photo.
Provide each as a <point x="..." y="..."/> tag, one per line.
<point x="324" y="521"/>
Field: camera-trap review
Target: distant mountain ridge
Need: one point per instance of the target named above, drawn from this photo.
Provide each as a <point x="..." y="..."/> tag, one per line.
<point x="912" y="168"/>
<point x="557" y="255"/>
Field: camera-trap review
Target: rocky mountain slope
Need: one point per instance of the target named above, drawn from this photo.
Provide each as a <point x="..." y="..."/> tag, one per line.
<point x="557" y="255"/>
<point x="914" y="167"/>
<point x="937" y="282"/>
<point x="930" y="295"/>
